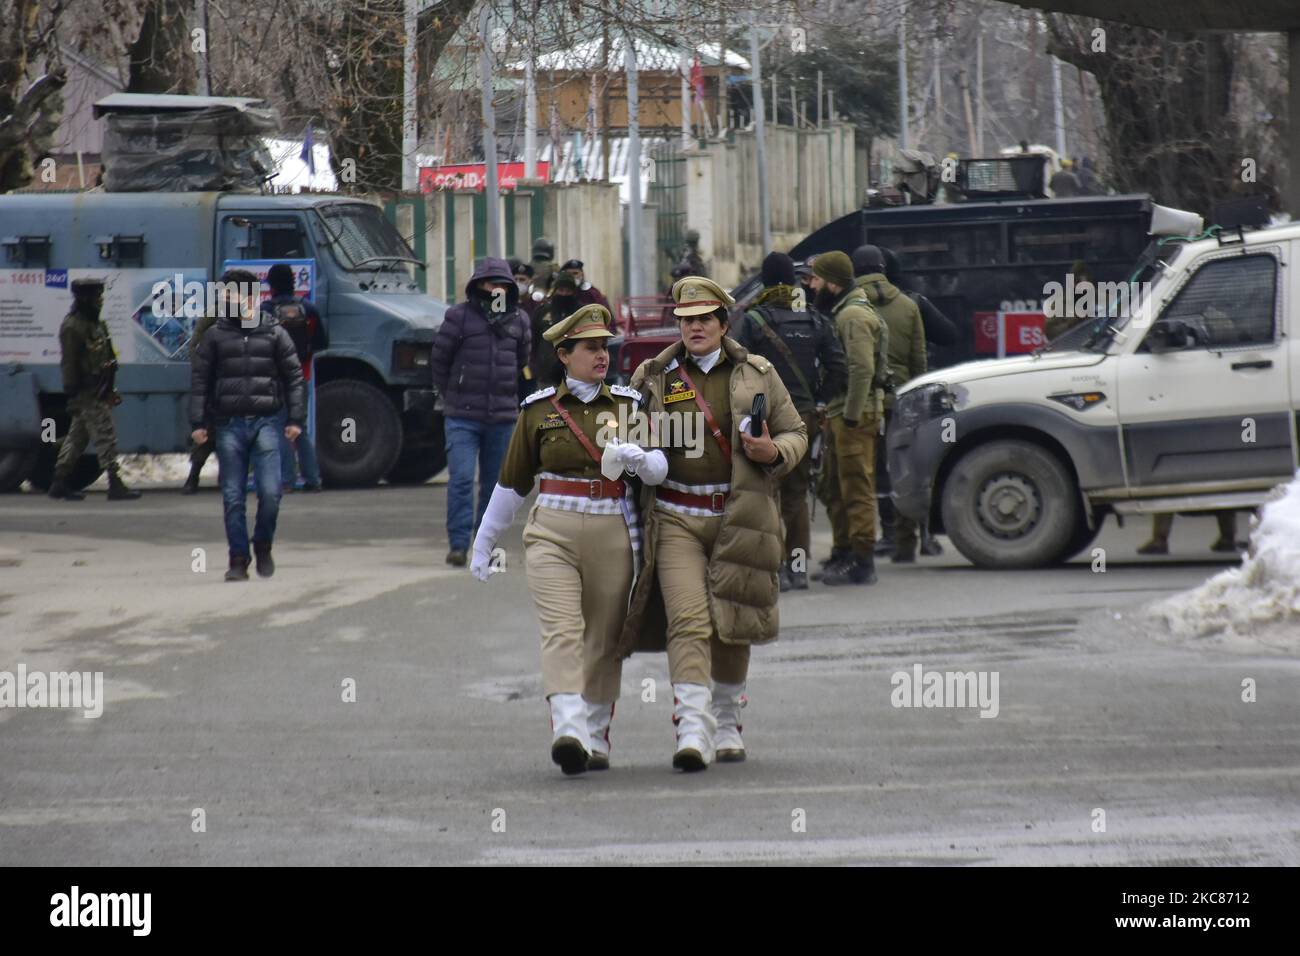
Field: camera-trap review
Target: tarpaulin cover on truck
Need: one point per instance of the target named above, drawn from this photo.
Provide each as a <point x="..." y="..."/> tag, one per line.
<point x="213" y="148"/>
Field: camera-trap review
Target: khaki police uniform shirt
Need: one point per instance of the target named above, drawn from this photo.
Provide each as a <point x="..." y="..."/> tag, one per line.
<point x="543" y="441"/>
<point x="711" y="467"/>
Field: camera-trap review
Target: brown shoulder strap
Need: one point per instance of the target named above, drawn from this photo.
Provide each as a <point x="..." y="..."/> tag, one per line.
<point x="573" y="427"/>
<point x="720" y="438"/>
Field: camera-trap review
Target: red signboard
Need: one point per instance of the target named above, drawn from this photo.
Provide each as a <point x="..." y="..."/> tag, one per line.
<point x="1025" y="331"/>
<point x="474" y="176"/>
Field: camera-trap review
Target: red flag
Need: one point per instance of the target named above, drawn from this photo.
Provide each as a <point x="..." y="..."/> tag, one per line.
<point x="697" y="81"/>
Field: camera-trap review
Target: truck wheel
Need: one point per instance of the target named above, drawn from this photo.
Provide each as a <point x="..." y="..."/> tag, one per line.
<point x="1010" y="504"/>
<point x="1082" y="538"/>
<point x="84" y="472"/>
<point x="358" y="433"/>
<point x="418" y="463"/>
<point x="16" y="465"/>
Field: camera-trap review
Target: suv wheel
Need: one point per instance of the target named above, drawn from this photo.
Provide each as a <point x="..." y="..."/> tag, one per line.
<point x="1011" y="504"/>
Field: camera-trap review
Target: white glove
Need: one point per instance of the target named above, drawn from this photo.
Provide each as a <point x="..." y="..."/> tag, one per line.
<point x="500" y="513"/>
<point x="654" y="467"/>
<point x="632" y="456"/>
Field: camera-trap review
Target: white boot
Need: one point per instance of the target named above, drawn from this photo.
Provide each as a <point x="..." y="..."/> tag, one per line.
<point x="598" y="718"/>
<point x="727" y="701"/>
<point x="695" y="726"/>
<point x="570" y="739"/>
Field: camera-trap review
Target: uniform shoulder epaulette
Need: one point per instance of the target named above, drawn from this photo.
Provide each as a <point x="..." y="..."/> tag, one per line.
<point x="760" y="363"/>
<point x="626" y="392"/>
<point x="539" y="394"/>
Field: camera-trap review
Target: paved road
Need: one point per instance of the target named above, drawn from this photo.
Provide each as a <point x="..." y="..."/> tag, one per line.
<point x="228" y="699"/>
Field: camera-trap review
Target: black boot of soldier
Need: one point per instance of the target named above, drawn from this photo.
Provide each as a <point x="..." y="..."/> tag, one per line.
<point x="860" y="569"/>
<point x="59" y="489"/>
<point x="117" y="490"/>
<point x="886" y="519"/>
<point x="838" y="556"/>
<point x="262" y="551"/>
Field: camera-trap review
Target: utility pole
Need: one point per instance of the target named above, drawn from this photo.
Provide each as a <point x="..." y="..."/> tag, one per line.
<point x="633" y="168"/>
<point x="530" y="101"/>
<point x="902" y="80"/>
<point x="1058" y="108"/>
<point x="756" y="74"/>
<point x="205" y="71"/>
<point x="685" y="64"/>
<point x="489" y="134"/>
<point x="410" y="137"/>
<point x="979" y="91"/>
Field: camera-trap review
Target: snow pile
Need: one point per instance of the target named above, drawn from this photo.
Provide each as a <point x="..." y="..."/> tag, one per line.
<point x="1259" y="599"/>
<point x="145" y="470"/>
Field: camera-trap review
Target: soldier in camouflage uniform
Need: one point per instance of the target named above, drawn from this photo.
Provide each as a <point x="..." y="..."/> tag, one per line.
<point x="89" y="364"/>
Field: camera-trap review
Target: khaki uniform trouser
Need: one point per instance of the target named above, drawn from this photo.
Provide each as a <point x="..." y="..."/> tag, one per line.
<point x="92" y="420"/>
<point x="695" y="654"/>
<point x="851" y="465"/>
<point x="794" y="500"/>
<point x="580" y="573"/>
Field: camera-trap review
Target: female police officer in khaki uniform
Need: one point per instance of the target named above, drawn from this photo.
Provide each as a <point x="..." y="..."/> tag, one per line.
<point x="713" y="534"/>
<point x="580" y="535"/>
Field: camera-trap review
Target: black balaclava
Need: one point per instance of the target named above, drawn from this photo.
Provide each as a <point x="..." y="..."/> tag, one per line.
<point x="88" y="304"/>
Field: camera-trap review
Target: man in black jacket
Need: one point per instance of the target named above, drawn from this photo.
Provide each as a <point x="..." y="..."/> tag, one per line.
<point x="244" y="373"/>
<point x="801" y="343"/>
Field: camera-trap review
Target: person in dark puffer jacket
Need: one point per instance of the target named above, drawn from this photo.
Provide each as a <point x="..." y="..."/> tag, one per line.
<point x="244" y="373"/>
<point x="478" y="354"/>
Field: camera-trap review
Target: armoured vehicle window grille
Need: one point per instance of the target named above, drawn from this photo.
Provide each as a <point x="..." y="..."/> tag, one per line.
<point x="1229" y="303"/>
<point x="950" y="247"/>
<point x="1067" y="241"/>
<point x="362" y="233"/>
<point x="281" y="240"/>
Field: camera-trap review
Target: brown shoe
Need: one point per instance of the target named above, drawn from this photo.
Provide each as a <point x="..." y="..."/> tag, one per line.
<point x="731" y="755"/>
<point x="689" y="760"/>
<point x="456" y="558"/>
<point x="598" y="761"/>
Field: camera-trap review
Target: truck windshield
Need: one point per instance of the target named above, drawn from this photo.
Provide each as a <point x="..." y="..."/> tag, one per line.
<point x="363" y="239"/>
<point x="1148" y="272"/>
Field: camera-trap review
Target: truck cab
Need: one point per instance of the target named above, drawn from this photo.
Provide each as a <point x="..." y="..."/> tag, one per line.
<point x="375" y="404"/>
<point x="1185" y="401"/>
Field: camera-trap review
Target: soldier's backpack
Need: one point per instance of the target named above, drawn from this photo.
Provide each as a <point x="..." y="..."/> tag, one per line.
<point x="291" y="313"/>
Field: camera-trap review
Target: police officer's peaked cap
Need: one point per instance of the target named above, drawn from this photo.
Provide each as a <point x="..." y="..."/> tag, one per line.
<point x="572" y="264"/>
<point x="87" y="287"/>
<point x="589" y="322"/>
<point x="696" y="295"/>
<point x="692" y="236"/>
<point x="543" y="248"/>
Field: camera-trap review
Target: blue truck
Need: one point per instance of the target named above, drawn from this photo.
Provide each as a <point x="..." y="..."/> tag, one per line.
<point x="375" y="417"/>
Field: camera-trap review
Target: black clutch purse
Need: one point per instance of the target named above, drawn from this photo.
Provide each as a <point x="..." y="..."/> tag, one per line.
<point x="757" y="415"/>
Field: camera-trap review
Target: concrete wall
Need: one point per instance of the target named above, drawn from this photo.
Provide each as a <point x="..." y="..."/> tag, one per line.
<point x="584" y="222"/>
<point x="812" y="179"/>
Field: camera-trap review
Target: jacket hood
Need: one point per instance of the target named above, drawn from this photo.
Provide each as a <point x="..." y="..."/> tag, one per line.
<point x="266" y="323"/>
<point x="494" y="268"/>
<point x="855" y="294"/>
<point x="879" y="290"/>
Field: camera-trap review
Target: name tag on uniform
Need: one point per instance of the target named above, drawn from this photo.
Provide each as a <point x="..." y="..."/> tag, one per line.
<point x="678" y="392"/>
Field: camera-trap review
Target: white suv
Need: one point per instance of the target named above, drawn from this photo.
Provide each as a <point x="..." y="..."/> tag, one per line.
<point x="1189" y="404"/>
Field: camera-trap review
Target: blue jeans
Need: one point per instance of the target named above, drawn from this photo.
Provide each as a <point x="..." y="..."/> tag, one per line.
<point x="470" y="444"/>
<point x="239" y="440"/>
<point x="299" y="457"/>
